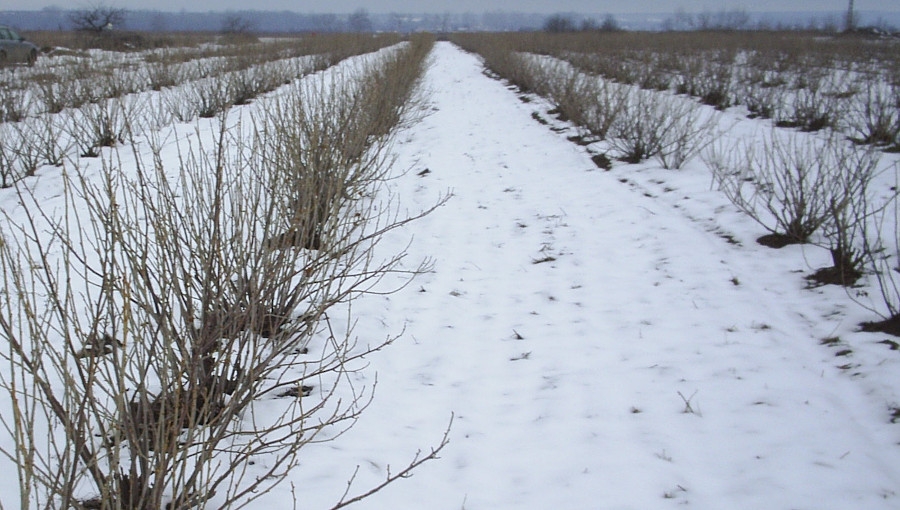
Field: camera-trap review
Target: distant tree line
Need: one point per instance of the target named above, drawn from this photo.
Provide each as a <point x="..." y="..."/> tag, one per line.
<point x="558" y="23"/>
<point x="100" y="17"/>
<point x="739" y="19"/>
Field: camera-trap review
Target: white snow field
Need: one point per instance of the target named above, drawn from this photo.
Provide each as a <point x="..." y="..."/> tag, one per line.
<point x="650" y="364"/>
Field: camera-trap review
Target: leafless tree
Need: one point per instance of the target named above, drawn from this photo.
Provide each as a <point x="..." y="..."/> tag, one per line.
<point x="97" y="18"/>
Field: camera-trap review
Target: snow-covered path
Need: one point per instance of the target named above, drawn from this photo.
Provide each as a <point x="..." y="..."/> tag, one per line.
<point x="599" y="345"/>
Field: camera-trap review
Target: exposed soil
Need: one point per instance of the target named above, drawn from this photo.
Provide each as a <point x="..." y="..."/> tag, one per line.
<point x="777" y="241"/>
<point x="602" y="161"/>
<point x="890" y="326"/>
<point x="835" y="276"/>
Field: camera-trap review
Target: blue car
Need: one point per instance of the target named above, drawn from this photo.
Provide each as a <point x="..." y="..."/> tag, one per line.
<point x="14" y="48"/>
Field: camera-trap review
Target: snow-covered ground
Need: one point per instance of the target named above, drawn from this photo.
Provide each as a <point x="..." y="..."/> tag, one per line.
<point x="603" y="340"/>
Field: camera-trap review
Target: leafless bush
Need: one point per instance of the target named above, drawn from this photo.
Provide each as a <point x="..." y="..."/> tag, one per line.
<point x="689" y="130"/>
<point x="643" y="126"/>
<point x="210" y="97"/>
<point x="875" y="117"/>
<point x="760" y="88"/>
<point x="763" y="101"/>
<point x="164" y="73"/>
<point x="102" y="124"/>
<point x="15" y="103"/>
<point x="162" y="351"/>
<point x="177" y="102"/>
<point x="54" y="95"/>
<point x="571" y="91"/>
<point x="652" y="74"/>
<point x="118" y="82"/>
<point x="28" y="149"/>
<point x="883" y="259"/>
<point x="708" y="76"/>
<point x="851" y="208"/>
<point x="793" y="184"/>
<point x="810" y="106"/>
<point x="603" y="104"/>
<point x="10" y="170"/>
<point x="47" y="133"/>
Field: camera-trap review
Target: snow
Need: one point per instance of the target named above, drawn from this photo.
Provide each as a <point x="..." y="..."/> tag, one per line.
<point x="612" y="340"/>
<point x="572" y="381"/>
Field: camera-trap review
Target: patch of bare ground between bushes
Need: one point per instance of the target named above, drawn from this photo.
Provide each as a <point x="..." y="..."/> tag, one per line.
<point x="890" y="326"/>
<point x="777" y="241"/>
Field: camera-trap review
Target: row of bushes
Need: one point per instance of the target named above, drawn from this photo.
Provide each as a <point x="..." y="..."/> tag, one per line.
<point x="846" y="84"/>
<point x="637" y="124"/>
<point x="803" y="188"/>
<point x="48" y="139"/>
<point x="70" y="81"/>
<point x="168" y="342"/>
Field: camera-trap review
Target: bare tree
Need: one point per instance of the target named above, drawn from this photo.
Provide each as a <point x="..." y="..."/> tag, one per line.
<point x="559" y="23"/>
<point x="97" y="18"/>
<point x="236" y="25"/>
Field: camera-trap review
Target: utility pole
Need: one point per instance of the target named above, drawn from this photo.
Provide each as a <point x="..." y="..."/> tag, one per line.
<point x="851" y="18"/>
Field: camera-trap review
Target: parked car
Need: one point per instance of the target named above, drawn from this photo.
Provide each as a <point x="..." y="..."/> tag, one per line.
<point x="14" y="48"/>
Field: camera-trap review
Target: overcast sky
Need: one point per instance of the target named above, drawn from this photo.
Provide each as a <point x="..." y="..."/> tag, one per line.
<point x="456" y="6"/>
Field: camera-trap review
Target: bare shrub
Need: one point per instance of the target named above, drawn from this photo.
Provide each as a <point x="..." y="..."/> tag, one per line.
<point x="209" y="96"/>
<point x="164" y="71"/>
<point x="178" y="102"/>
<point x="47" y="134"/>
<point x="28" y="149"/>
<point x="810" y="107"/>
<point x="760" y="87"/>
<point x="15" y="103"/>
<point x="690" y="129"/>
<point x="708" y="76"/>
<point x="875" y="117"/>
<point x="851" y="208"/>
<point x="790" y="183"/>
<point x="54" y="95"/>
<point x="10" y="170"/>
<point x="118" y="82"/>
<point x="883" y="258"/>
<point x="642" y="127"/>
<point x="98" y="125"/>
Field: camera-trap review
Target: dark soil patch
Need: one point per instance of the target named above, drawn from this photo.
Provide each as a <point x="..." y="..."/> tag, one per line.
<point x="296" y="392"/>
<point x="632" y="159"/>
<point x="777" y="241"/>
<point x="895" y="414"/>
<point x="788" y="124"/>
<point x="894" y="346"/>
<point x="602" y="161"/>
<point x="561" y="115"/>
<point x="537" y="116"/>
<point x="890" y="326"/>
<point x="835" y="276"/>
<point x="582" y="140"/>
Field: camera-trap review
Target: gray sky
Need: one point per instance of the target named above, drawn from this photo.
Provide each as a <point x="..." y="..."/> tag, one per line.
<point x="456" y="6"/>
